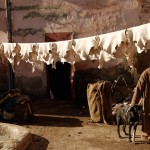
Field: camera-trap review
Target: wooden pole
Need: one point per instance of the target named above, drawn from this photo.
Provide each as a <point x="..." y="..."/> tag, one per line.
<point x="9" y="32"/>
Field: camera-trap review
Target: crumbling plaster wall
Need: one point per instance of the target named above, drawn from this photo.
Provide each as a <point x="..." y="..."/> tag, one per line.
<point x="3" y="26"/>
<point x="31" y="19"/>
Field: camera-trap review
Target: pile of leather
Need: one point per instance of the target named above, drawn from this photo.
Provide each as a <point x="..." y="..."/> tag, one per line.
<point x="15" y="106"/>
<point x="100" y="102"/>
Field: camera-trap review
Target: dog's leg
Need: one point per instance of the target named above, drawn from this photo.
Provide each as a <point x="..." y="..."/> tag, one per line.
<point x="118" y="129"/>
<point x="130" y="127"/>
<point x="124" y="129"/>
<point x="134" y="132"/>
<point x="118" y="126"/>
<point x="148" y="140"/>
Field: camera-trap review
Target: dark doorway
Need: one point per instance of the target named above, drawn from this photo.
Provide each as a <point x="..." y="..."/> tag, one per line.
<point x="58" y="80"/>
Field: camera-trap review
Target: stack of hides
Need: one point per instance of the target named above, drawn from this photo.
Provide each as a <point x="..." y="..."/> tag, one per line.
<point x="99" y="101"/>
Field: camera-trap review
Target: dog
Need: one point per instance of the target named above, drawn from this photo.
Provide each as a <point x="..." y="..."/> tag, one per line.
<point x="128" y="115"/>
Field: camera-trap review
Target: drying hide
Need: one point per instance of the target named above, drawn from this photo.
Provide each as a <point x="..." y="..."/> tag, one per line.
<point x="99" y="101"/>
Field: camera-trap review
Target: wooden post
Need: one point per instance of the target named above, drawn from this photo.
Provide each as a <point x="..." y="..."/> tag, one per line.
<point x="9" y="30"/>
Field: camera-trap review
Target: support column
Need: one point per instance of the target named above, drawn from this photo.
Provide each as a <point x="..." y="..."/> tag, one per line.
<point x="9" y="32"/>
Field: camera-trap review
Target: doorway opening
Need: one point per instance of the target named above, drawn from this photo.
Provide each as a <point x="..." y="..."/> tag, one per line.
<point x="58" y="80"/>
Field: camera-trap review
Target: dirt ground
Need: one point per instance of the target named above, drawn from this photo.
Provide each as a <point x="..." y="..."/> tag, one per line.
<point x="61" y="125"/>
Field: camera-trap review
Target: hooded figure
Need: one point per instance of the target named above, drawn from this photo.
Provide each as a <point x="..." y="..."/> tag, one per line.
<point x="142" y="90"/>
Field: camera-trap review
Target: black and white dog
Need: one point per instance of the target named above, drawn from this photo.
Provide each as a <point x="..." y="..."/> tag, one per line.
<point x="128" y="115"/>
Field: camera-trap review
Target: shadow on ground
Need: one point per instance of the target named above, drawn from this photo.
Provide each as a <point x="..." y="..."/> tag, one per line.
<point x="38" y="143"/>
<point x="43" y="120"/>
<point x="59" y="107"/>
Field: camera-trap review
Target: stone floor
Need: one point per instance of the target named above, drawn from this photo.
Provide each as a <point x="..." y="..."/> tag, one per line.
<point x="59" y="125"/>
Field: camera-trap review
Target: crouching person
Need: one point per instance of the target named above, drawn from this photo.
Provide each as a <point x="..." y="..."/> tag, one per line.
<point x="142" y="90"/>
